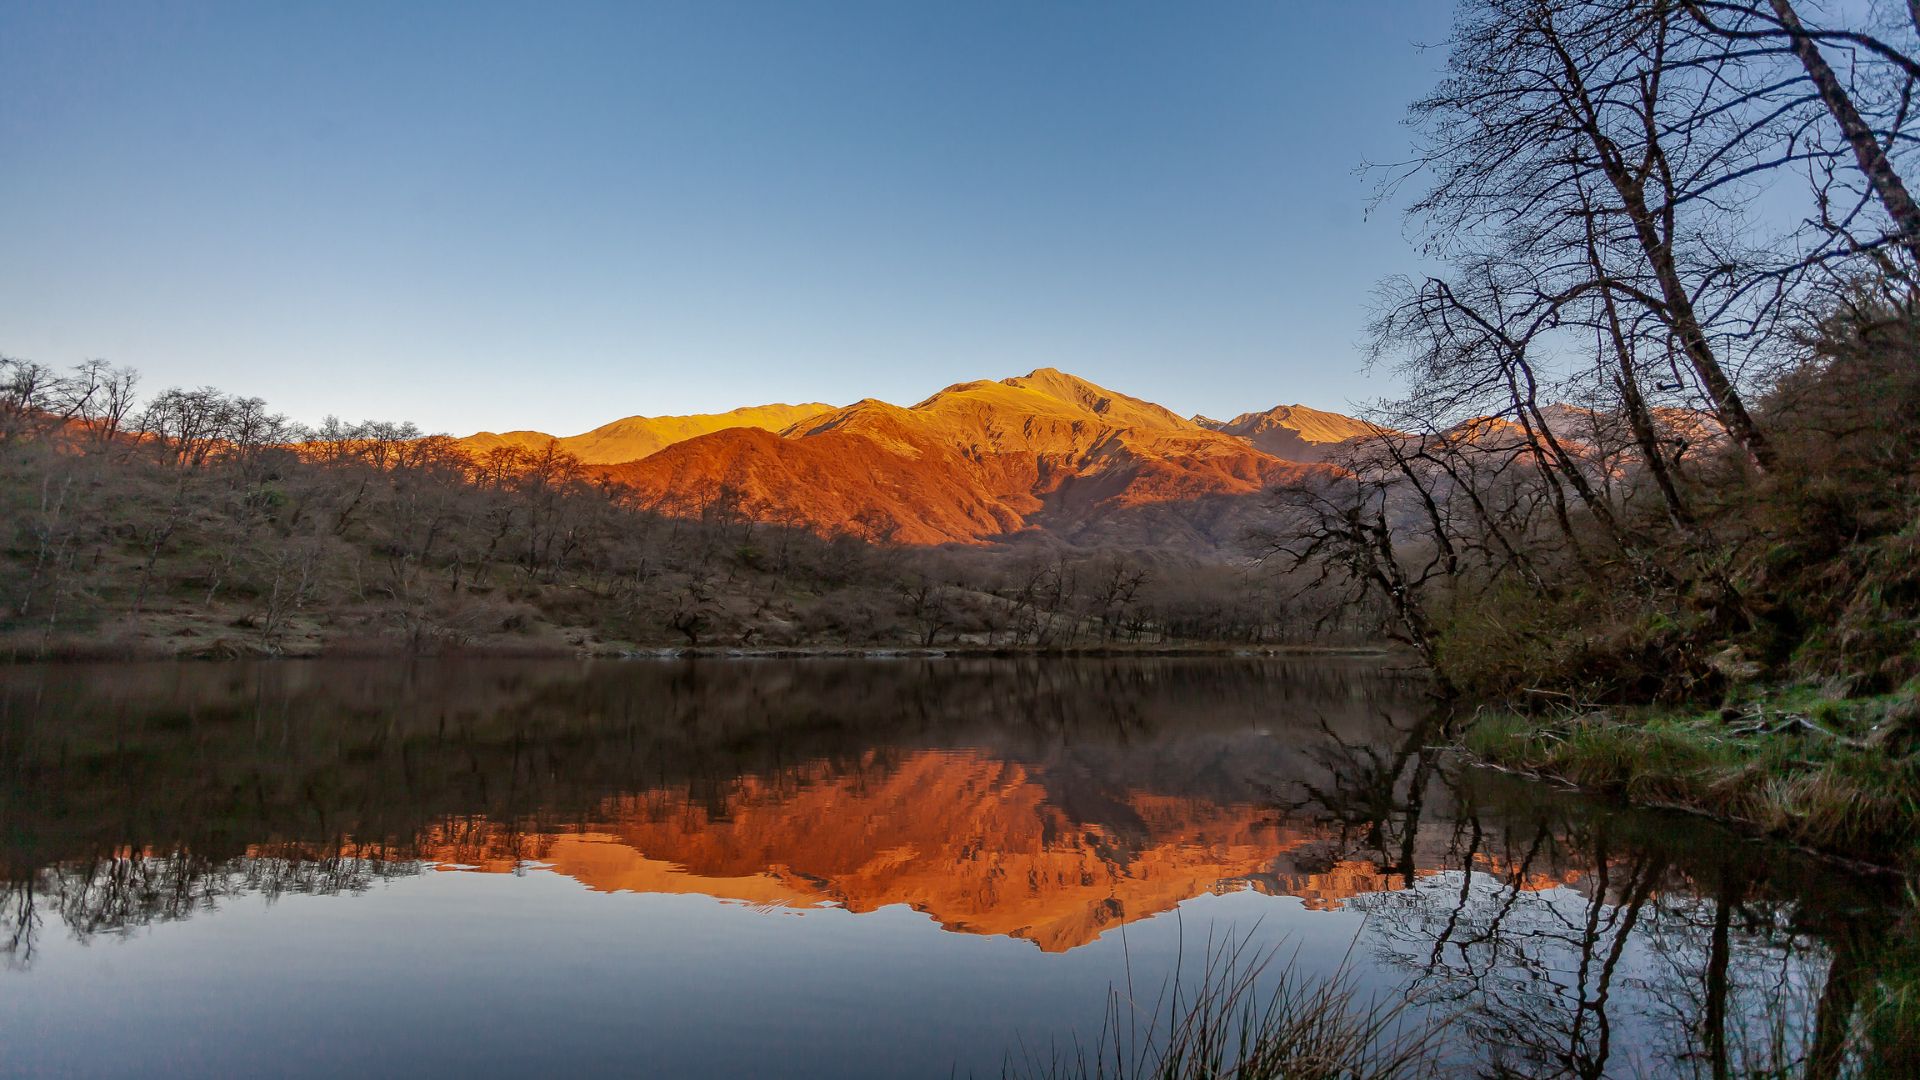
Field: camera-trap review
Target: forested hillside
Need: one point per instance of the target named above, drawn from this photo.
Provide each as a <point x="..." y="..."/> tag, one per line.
<point x="201" y="523"/>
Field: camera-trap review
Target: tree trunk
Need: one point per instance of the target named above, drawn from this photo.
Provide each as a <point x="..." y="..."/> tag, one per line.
<point x="1867" y="151"/>
<point x="1676" y="307"/>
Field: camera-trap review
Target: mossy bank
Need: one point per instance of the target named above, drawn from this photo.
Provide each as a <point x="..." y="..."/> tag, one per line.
<point x="1802" y="764"/>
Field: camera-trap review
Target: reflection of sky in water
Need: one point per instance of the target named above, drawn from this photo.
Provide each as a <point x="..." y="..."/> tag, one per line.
<point x="455" y="973"/>
<point x="1526" y="975"/>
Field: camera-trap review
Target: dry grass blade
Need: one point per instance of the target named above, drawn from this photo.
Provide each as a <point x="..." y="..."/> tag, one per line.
<point x="1241" y="1019"/>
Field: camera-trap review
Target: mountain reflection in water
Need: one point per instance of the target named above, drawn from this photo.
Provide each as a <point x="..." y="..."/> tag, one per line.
<point x="1048" y="802"/>
<point x="975" y="842"/>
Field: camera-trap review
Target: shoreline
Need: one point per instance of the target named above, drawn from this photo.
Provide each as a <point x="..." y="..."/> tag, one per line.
<point x="1001" y="652"/>
<point x="1745" y="829"/>
<point x="1820" y="775"/>
<point x="229" y="651"/>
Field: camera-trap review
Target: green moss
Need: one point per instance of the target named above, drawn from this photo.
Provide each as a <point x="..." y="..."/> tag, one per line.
<point x="1795" y="763"/>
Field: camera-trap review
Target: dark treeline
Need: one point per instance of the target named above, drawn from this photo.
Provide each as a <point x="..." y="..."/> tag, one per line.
<point x="94" y="758"/>
<point x="1662" y="428"/>
<point x="197" y="522"/>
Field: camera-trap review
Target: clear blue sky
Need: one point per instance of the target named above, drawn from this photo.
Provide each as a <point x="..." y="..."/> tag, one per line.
<point x="551" y="215"/>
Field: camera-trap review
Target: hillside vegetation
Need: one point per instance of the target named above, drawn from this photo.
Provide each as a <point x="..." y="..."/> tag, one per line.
<point x="200" y="523"/>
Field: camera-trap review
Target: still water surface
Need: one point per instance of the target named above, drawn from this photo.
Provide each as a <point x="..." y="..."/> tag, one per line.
<point x="835" y="868"/>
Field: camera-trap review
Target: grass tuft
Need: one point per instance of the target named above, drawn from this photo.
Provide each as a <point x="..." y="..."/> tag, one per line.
<point x="1225" y="1025"/>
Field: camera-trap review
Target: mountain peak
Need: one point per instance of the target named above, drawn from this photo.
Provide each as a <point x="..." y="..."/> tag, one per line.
<point x="1116" y="408"/>
<point x="1295" y="432"/>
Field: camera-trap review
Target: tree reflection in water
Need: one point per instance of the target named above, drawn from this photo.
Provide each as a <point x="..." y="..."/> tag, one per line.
<point x="1049" y="802"/>
<point x="128" y="890"/>
<point x="1569" y="937"/>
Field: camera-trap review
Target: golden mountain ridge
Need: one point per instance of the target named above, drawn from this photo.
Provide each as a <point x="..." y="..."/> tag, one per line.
<point x="974" y="462"/>
<point x="635" y="437"/>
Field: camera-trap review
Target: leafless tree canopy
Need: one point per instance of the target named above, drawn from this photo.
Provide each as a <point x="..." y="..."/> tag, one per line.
<point x="1653" y="216"/>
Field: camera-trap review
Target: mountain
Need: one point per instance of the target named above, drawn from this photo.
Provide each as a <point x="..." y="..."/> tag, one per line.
<point x="1046" y="453"/>
<point x="980" y="461"/>
<point x="638" y="436"/>
<point x="1293" y="432"/>
<point x="833" y="482"/>
<point x="1678" y="428"/>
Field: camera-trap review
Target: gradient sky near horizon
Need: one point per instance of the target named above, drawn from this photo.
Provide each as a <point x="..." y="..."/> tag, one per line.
<point x="492" y="216"/>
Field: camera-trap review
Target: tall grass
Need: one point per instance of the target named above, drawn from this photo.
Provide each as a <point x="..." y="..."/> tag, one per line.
<point x="1243" y="1018"/>
<point x="1891" y="1009"/>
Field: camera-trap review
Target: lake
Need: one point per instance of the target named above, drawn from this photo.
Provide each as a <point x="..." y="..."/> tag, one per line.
<point x="842" y="868"/>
